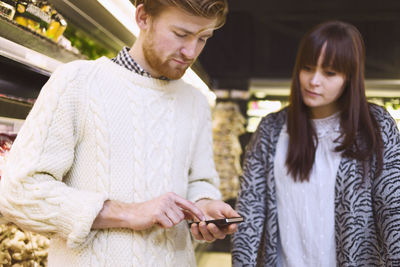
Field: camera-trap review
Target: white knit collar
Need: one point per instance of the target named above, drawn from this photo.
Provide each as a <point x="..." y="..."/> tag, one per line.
<point x="328" y="125"/>
<point x="150" y="83"/>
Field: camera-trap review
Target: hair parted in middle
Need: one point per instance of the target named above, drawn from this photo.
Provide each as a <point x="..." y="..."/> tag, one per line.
<point x="203" y="8"/>
<point x="360" y="138"/>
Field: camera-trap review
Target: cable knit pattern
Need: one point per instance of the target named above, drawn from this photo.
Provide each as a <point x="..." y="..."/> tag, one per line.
<point x="203" y="145"/>
<point x="97" y="132"/>
<point x="96" y="105"/>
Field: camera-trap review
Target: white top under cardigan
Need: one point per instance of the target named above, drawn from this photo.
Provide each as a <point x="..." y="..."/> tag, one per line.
<point x="306" y="209"/>
<point x="99" y="131"/>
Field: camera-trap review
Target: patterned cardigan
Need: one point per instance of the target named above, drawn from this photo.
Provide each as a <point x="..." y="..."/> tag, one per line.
<point x="367" y="212"/>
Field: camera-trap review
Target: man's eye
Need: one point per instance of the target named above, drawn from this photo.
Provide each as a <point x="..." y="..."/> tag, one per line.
<point x="180" y="35"/>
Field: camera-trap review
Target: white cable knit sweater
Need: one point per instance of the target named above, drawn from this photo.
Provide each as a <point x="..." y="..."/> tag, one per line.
<point x="97" y="132"/>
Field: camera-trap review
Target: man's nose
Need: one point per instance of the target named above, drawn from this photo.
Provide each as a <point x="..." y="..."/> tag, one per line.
<point x="189" y="49"/>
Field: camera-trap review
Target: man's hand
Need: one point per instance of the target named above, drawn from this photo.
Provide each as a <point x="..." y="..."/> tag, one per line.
<point x="213" y="209"/>
<point x="166" y="211"/>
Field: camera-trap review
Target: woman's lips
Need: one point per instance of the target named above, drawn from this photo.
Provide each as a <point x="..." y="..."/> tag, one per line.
<point x="311" y="93"/>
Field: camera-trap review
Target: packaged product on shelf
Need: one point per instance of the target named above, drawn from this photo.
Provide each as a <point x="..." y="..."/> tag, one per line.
<point x="6" y="140"/>
<point x="22" y="248"/>
<point x="18" y="247"/>
<point x="8" y="8"/>
<point x="57" y="26"/>
<point x="5" y="144"/>
<point x="30" y="15"/>
<point x="228" y="124"/>
<point x="40" y="17"/>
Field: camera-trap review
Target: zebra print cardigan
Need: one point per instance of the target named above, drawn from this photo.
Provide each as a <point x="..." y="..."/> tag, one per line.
<point x="367" y="211"/>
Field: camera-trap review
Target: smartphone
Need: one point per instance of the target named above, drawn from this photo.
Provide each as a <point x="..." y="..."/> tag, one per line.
<point x="223" y="222"/>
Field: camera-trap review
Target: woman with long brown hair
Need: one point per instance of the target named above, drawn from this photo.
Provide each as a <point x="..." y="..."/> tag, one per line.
<point x="321" y="181"/>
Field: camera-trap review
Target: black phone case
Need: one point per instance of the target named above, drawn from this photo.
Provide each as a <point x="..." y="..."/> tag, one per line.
<point x="222" y="222"/>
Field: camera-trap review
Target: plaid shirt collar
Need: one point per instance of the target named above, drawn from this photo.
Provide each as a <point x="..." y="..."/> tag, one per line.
<point x="125" y="60"/>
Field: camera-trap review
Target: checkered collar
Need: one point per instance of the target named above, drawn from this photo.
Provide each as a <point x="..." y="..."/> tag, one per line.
<point x="125" y="60"/>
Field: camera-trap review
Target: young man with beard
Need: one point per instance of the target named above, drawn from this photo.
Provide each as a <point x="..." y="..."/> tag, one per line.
<point x="116" y="154"/>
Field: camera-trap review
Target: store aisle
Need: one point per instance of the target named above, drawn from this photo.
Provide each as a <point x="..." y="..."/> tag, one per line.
<point x="215" y="259"/>
<point x="215" y="254"/>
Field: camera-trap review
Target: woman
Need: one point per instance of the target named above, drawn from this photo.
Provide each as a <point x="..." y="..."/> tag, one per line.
<point x="321" y="182"/>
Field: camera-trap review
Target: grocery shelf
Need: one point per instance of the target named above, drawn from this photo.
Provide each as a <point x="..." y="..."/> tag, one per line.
<point x="19" y="79"/>
<point x="14" y="125"/>
<point x="32" y="49"/>
<point x="39" y="62"/>
<point x="96" y="21"/>
<point x="10" y="108"/>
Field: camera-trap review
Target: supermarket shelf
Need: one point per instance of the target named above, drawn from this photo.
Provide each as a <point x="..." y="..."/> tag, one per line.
<point x="27" y="58"/>
<point x="13" y="109"/>
<point x="14" y="124"/>
<point x="19" y="79"/>
<point x="96" y="21"/>
<point x="27" y="47"/>
<point x="39" y="62"/>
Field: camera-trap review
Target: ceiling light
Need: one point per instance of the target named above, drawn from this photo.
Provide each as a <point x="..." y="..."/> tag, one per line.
<point x="124" y="12"/>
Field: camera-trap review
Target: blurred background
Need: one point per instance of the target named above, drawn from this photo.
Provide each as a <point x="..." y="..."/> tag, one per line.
<point x="244" y="72"/>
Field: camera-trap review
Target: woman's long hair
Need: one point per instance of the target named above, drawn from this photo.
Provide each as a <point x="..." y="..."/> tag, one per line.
<point x="361" y="138"/>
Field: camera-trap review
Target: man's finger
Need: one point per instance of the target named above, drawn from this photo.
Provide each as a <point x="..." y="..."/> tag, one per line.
<point x="175" y="215"/>
<point x="189" y="207"/>
<point x="229" y="212"/>
<point x="205" y="232"/>
<point x="232" y="228"/>
<point x="189" y="216"/>
<point x="164" y="221"/>
<point x="217" y="232"/>
<point x="196" y="232"/>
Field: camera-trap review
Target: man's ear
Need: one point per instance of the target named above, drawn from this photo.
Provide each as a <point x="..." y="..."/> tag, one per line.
<point x="142" y="17"/>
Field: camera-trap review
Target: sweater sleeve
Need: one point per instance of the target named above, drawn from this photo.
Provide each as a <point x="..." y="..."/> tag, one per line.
<point x="386" y="191"/>
<point x="203" y="177"/>
<point x="33" y="194"/>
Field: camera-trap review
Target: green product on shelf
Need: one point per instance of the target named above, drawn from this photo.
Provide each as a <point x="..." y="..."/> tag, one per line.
<point x="85" y="44"/>
<point x="8" y="8"/>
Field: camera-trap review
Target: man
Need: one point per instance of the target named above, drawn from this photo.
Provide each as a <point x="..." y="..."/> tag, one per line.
<point x="116" y="154"/>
